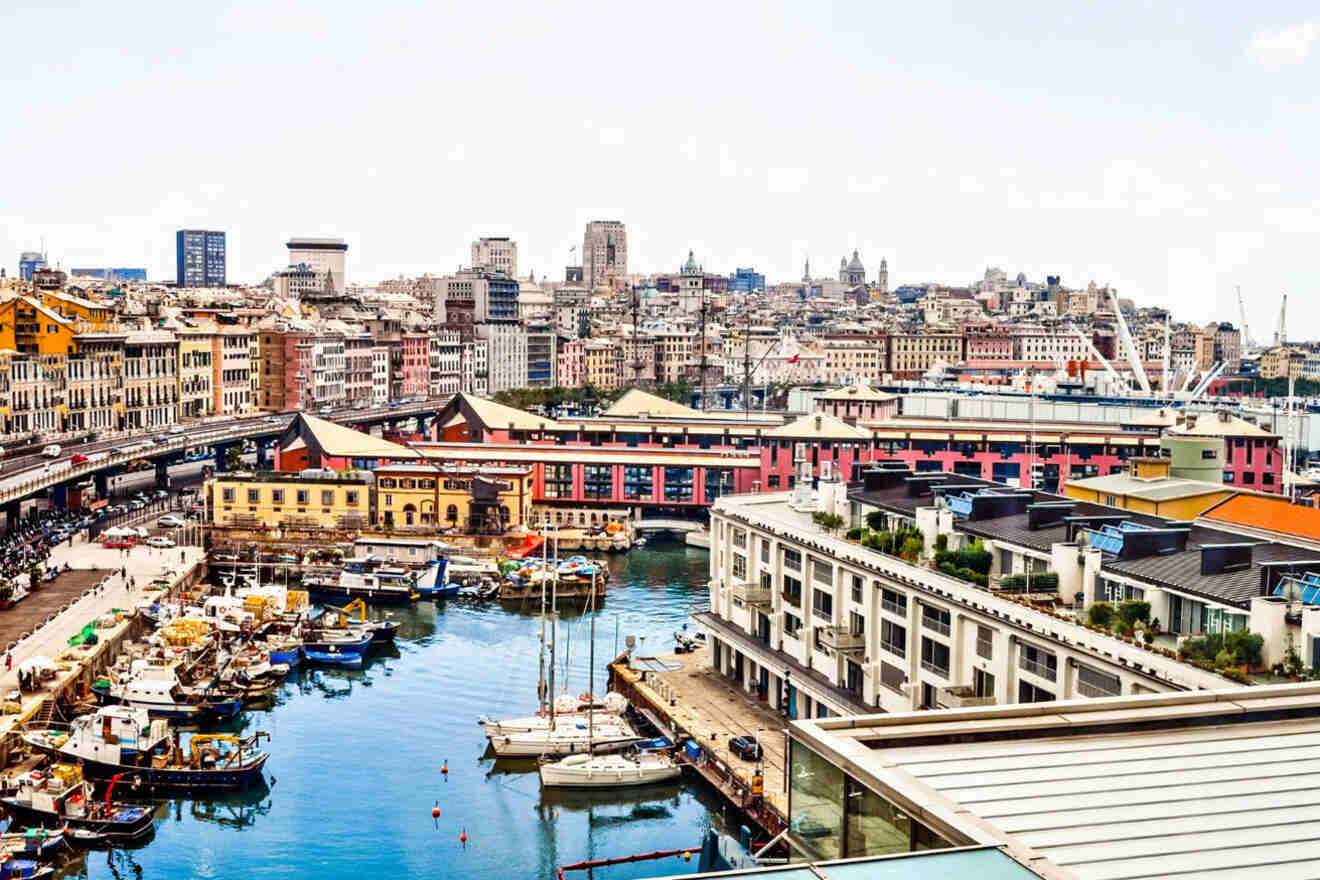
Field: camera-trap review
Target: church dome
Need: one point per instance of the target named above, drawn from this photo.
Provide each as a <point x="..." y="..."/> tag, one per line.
<point x="856" y="264"/>
<point x="691" y="264"/>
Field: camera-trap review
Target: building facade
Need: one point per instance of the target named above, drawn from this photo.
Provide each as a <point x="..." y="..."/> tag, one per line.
<point x="497" y="254"/>
<point x="199" y="258"/>
<point x="324" y="254"/>
<point x="604" y="254"/>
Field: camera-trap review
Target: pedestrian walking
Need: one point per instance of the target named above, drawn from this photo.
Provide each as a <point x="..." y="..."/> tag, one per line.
<point x="9" y="661"/>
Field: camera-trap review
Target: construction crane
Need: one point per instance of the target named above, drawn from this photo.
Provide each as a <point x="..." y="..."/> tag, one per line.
<point x="1281" y="334"/>
<point x="1242" y="313"/>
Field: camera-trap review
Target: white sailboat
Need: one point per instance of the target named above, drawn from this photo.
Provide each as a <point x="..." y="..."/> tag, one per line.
<point x="552" y="731"/>
<point x="593" y="770"/>
<point x="609" y="771"/>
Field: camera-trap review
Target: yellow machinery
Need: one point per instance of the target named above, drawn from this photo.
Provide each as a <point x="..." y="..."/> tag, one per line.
<point x="357" y="605"/>
<point x="197" y="743"/>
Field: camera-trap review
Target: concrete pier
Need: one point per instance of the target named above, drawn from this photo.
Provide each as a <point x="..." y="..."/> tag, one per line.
<point x="691" y="700"/>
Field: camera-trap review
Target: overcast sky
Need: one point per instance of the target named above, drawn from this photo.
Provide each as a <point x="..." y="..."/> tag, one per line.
<point x="1168" y="150"/>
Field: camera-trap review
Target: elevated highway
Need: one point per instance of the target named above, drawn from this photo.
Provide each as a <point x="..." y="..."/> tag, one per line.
<point x="27" y="475"/>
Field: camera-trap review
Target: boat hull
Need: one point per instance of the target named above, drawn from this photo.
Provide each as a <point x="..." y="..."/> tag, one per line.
<point x="325" y="658"/>
<point x="366" y="594"/>
<point x="290" y="656"/>
<point x="131" y="822"/>
<point x="174" y="778"/>
<point x="219" y="709"/>
<point x="534" y="745"/>
<point x="558" y="774"/>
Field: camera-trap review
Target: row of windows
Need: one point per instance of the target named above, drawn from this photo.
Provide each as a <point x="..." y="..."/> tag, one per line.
<point x="301" y="496"/>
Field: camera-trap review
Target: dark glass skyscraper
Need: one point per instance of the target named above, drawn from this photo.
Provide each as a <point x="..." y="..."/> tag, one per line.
<point x="199" y="256"/>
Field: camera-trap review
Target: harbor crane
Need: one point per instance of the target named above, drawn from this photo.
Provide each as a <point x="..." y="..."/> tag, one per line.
<point x="1281" y="334"/>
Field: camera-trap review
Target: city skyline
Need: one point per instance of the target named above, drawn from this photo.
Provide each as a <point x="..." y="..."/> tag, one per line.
<point x="1174" y="166"/>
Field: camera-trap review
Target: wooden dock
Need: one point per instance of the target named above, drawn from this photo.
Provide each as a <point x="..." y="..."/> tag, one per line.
<point x="693" y="701"/>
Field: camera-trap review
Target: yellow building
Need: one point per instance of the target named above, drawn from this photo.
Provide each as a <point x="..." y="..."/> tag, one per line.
<point x="918" y="352"/>
<point x="195" y="372"/>
<point x="94" y="315"/>
<point x="1162" y="495"/>
<point x="325" y="499"/>
<point x="472" y="499"/>
<point x="29" y="327"/>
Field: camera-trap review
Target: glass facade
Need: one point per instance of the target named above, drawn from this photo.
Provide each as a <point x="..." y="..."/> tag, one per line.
<point x="832" y="815"/>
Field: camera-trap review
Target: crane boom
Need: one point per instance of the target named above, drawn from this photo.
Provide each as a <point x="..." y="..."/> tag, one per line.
<point x="1242" y="314"/>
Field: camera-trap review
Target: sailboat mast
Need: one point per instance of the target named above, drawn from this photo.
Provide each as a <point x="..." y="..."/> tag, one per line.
<point x="554" y="634"/>
<point x="591" y="676"/>
<point x="540" y="687"/>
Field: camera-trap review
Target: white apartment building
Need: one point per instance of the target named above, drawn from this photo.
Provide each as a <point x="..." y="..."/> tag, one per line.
<point x="446" y="363"/>
<point x="298" y="281"/>
<point x="327" y="361"/>
<point x="572" y="307"/>
<point x="506" y="354"/>
<point x="151" y="379"/>
<point x="380" y="376"/>
<point x="500" y="254"/>
<point x="821" y="626"/>
<point x="1050" y="347"/>
<point x="475" y="373"/>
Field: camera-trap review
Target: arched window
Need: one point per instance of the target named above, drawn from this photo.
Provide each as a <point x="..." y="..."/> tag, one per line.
<point x="451" y="513"/>
<point x="409" y="514"/>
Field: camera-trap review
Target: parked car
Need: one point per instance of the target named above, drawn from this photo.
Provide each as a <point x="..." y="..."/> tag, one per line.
<point x="115" y="450"/>
<point x="160" y="541"/>
<point x="116" y="543"/>
<point x="136" y="505"/>
<point x="746" y="747"/>
<point x="325" y="410"/>
<point x="162" y="438"/>
<point x="160" y="495"/>
<point x="170" y="521"/>
<point x="51" y="451"/>
<point x="176" y="429"/>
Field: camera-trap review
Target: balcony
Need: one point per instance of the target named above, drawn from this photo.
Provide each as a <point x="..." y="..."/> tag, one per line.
<point x="841" y="639"/>
<point x="751" y="594"/>
<point x="1036" y="668"/>
<point x="960" y="697"/>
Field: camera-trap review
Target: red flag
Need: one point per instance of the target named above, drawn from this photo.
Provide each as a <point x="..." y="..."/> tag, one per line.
<point x="793" y="359"/>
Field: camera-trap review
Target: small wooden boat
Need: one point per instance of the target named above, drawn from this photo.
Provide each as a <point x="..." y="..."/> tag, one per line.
<point x="32" y="842"/>
<point x="157" y="689"/>
<point x="333" y="656"/>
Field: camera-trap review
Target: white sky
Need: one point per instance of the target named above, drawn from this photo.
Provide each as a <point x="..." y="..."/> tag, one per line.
<point x="1168" y="150"/>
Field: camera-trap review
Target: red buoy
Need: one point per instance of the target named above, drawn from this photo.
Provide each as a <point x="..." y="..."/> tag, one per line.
<point x="444" y="769"/>
<point x="435" y="812"/>
<point x="462" y="838"/>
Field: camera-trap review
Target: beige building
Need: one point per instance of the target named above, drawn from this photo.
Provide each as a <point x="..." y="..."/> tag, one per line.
<point x="196" y="398"/>
<point x="604" y="254"/>
<point x="95" y="375"/>
<point x="1282" y="363"/>
<point x="918" y="352"/>
<point x="852" y="358"/>
<point x="673" y="353"/>
<point x="602" y="365"/>
<point x="324" y="254"/>
<point x="500" y="254"/>
<point x="151" y="379"/>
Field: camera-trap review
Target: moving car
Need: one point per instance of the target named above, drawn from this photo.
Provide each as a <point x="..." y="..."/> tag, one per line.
<point x="78" y="458"/>
<point x="51" y="451"/>
<point x="746" y="747"/>
<point x="325" y="410"/>
<point x="160" y="541"/>
<point x="170" y="521"/>
<point x="176" y="429"/>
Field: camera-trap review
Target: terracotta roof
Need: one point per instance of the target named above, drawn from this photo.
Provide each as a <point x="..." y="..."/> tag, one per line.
<point x="1269" y="514"/>
<point x="861" y="391"/>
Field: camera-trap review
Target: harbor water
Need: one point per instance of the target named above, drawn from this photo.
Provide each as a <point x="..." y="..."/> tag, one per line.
<point x="355" y="769"/>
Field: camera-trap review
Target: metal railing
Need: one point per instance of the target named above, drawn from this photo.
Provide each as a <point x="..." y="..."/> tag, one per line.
<point x="1087" y="689"/>
<point x="985" y="648"/>
<point x="1037" y="668"/>
<point x="894" y="607"/>
<point x="935" y="624"/>
<point x="932" y="666"/>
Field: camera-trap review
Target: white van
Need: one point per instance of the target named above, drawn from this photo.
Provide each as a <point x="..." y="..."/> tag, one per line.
<point x="51" y="451"/>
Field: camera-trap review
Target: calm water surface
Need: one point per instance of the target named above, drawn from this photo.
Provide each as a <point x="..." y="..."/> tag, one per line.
<point x="356" y="757"/>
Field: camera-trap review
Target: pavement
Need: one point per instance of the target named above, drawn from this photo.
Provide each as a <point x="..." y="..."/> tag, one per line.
<point x="142" y="565"/>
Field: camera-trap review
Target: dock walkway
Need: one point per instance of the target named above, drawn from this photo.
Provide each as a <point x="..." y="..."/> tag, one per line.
<point x="694" y="701"/>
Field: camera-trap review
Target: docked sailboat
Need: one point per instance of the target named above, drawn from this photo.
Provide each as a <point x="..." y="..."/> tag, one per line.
<point x="609" y="771"/>
<point x="595" y="770"/>
<point x="568" y="710"/>
<point x="123" y="741"/>
<point x="565" y="738"/>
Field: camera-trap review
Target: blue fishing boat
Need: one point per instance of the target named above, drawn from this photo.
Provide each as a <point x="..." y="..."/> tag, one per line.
<point x="431" y="584"/>
<point x="333" y="657"/>
<point x="23" y="869"/>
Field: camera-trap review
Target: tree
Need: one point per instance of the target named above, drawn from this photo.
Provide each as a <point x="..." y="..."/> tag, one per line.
<point x="234" y="457"/>
<point x="911" y="549"/>
<point x="1101" y="614"/>
<point x="34" y="576"/>
<point x="830" y="522"/>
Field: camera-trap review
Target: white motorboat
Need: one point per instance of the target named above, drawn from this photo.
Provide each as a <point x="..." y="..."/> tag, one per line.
<point x="609" y="771"/>
<point x="568" y="710"/>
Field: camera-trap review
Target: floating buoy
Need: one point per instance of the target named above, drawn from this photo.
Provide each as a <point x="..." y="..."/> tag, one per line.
<point x="444" y="769"/>
<point x="462" y="838"/>
<point x="435" y="812"/>
<point x="687" y="856"/>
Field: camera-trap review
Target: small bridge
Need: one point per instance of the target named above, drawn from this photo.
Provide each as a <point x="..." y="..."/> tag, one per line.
<point x="666" y="525"/>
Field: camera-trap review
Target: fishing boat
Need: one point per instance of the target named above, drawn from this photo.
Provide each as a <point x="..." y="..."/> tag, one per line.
<point x="609" y="771"/>
<point x="23" y="869"/>
<point x="381" y="631"/>
<point x="433" y="582"/>
<point x="335" y="641"/>
<point x="370" y="579"/>
<point x="61" y="799"/>
<point x="122" y="740"/>
<point x="332" y="656"/>
<point x="35" y="842"/>
<point x="157" y="689"/>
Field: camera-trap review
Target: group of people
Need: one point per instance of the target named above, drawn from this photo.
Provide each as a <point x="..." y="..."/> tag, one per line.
<point x="26" y="543"/>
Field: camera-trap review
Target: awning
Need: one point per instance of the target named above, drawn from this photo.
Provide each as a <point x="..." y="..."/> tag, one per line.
<point x="973" y="438"/>
<point x="1007" y="438"/>
<point x="1124" y="441"/>
<point x="929" y="435"/>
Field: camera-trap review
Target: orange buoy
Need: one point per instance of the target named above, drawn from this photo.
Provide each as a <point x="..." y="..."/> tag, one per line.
<point x="462" y="838"/>
<point x="435" y="811"/>
<point x="444" y="769"/>
<point x="687" y="856"/>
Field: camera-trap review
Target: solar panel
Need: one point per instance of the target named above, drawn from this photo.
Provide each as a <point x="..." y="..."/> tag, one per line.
<point x="1309" y="595"/>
